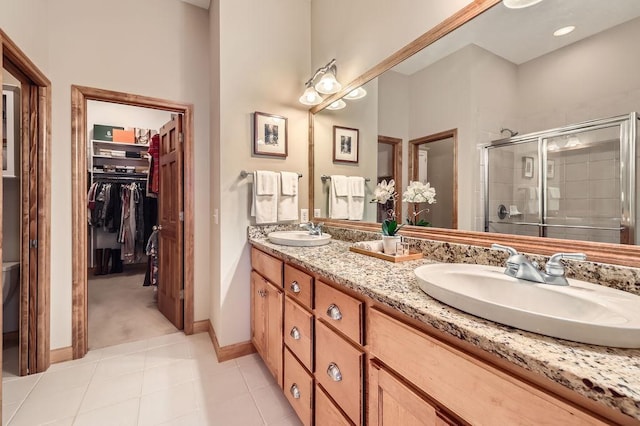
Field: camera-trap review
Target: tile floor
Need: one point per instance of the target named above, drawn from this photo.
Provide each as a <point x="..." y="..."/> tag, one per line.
<point x="167" y="380"/>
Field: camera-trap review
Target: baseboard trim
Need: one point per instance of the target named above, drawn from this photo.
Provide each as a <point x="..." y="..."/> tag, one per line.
<point x="61" y="355"/>
<point x="201" y="326"/>
<point x="225" y="353"/>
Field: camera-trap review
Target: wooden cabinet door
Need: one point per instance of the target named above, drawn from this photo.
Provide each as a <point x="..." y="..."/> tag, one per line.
<point x="258" y="314"/>
<point x="393" y="403"/>
<point x="274" y="326"/>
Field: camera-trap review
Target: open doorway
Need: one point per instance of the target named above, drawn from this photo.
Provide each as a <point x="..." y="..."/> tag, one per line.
<point x="122" y="158"/>
<point x="94" y="163"/>
<point x="433" y="159"/>
<point x="26" y="105"/>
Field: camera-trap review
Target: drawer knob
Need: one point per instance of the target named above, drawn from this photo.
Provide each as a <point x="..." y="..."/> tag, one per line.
<point x="334" y="372"/>
<point x="295" y="392"/>
<point x="295" y="333"/>
<point x="334" y="312"/>
<point x="262" y="293"/>
<point x="295" y="287"/>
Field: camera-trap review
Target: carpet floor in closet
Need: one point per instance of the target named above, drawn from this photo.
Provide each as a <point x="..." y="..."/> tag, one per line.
<point x="122" y="310"/>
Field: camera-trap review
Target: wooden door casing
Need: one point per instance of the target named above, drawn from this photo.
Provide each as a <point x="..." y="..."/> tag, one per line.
<point x="170" y="210"/>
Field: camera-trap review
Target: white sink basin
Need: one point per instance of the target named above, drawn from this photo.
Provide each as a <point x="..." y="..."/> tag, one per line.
<point x="582" y="312"/>
<point x="298" y="238"/>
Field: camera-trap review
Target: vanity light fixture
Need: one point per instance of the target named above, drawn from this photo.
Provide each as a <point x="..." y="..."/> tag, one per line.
<point x="327" y="84"/>
<point x="358" y="93"/>
<point x="519" y="4"/>
<point x="310" y="96"/>
<point x="564" y="31"/>
<point x="339" y="104"/>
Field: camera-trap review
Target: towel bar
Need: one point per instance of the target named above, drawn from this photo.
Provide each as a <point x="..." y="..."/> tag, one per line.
<point x="244" y="174"/>
<point x="324" y="178"/>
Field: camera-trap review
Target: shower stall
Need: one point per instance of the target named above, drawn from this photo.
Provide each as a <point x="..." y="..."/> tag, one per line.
<point x="576" y="182"/>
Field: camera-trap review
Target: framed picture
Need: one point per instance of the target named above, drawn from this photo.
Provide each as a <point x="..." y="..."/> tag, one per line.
<point x="527" y="167"/>
<point x="345" y="144"/>
<point x="269" y="134"/>
<point x="551" y="169"/>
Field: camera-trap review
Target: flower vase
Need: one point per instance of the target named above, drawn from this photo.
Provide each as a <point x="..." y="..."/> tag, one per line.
<point x="389" y="243"/>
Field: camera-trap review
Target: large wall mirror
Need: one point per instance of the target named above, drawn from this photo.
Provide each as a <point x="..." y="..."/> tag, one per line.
<point x="499" y="75"/>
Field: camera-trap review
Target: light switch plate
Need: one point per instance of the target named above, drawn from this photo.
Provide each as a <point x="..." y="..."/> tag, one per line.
<point x="316" y="212"/>
<point x="215" y="216"/>
<point x="304" y="215"/>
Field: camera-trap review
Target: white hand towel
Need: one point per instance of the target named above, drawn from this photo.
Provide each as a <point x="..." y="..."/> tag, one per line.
<point x="554" y="199"/>
<point x="289" y="183"/>
<point x="356" y="186"/>
<point x="340" y="185"/>
<point x="355" y="199"/>
<point x="375" y="245"/>
<point x="338" y="205"/>
<point x="265" y="207"/>
<point x="265" y="182"/>
<point x="288" y="197"/>
<point x="532" y="204"/>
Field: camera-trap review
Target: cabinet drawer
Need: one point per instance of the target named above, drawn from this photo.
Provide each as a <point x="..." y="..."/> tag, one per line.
<point x="339" y="370"/>
<point x="326" y="412"/>
<point x="298" y="388"/>
<point x="340" y="310"/>
<point x="445" y="373"/>
<point x="298" y="332"/>
<point x="268" y="266"/>
<point x="298" y="285"/>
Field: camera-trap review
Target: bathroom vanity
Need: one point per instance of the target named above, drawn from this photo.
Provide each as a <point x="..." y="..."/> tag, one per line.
<point x="353" y="340"/>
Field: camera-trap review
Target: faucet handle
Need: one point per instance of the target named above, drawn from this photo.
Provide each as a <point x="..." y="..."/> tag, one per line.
<point x="510" y="250"/>
<point x="555" y="268"/>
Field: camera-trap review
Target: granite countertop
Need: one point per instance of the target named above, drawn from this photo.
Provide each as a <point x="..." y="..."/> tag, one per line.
<point x="610" y="376"/>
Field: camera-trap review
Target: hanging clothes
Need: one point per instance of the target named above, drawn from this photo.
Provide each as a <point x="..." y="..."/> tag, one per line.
<point x="153" y="179"/>
<point x="151" y="277"/>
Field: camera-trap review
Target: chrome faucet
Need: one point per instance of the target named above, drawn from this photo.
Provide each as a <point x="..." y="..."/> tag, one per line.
<point x="519" y="266"/>
<point x="313" y="229"/>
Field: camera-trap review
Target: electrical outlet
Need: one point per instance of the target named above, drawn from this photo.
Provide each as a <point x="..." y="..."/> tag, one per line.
<point x="304" y="215"/>
<point x="316" y="212"/>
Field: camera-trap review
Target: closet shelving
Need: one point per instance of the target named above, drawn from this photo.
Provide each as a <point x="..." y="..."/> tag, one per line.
<point x="122" y="166"/>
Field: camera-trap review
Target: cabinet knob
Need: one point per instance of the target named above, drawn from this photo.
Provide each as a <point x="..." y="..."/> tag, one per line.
<point x="295" y="333"/>
<point x="295" y="287"/>
<point x="295" y="392"/>
<point x="262" y="293"/>
<point x="334" y="312"/>
<point x="334" y="372"/>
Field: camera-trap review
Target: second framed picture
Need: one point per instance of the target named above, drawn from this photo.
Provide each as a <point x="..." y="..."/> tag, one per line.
<point x="269" y="134"/>
<point x="345" y="144"/>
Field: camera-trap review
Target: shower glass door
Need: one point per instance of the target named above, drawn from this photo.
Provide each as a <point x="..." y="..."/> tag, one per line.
<point x="582" y="195"/>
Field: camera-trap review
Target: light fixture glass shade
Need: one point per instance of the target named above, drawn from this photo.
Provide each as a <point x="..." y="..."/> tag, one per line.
<point x="310" y="97"/>
<point x="519" y="4"/>
<point x="328" y="84"/>
<point x="339" y="104"/>
<point x="358" y="93"/>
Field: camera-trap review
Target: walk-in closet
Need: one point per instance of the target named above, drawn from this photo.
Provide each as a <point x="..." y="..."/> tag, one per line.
<point x="122" y="229"/>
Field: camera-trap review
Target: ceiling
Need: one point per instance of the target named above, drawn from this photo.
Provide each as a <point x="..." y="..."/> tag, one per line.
<point x="520" y="35"/>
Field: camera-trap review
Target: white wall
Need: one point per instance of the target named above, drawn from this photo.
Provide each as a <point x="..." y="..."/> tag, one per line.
<point x="263" y="61"/>
<point x="155" y="48"/>
<point x="361" y="33"/>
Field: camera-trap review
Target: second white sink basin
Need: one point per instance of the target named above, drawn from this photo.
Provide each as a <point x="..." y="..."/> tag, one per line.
<point x="582" y="312"/>
<point x="298" y="238"/>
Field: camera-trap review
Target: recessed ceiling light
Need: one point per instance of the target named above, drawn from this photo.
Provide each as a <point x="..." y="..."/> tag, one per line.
<point x="564" y="31"/>
<point x="519" y="4"/>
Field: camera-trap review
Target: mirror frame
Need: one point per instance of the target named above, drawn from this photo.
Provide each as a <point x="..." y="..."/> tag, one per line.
<point x="625" y="255"/>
